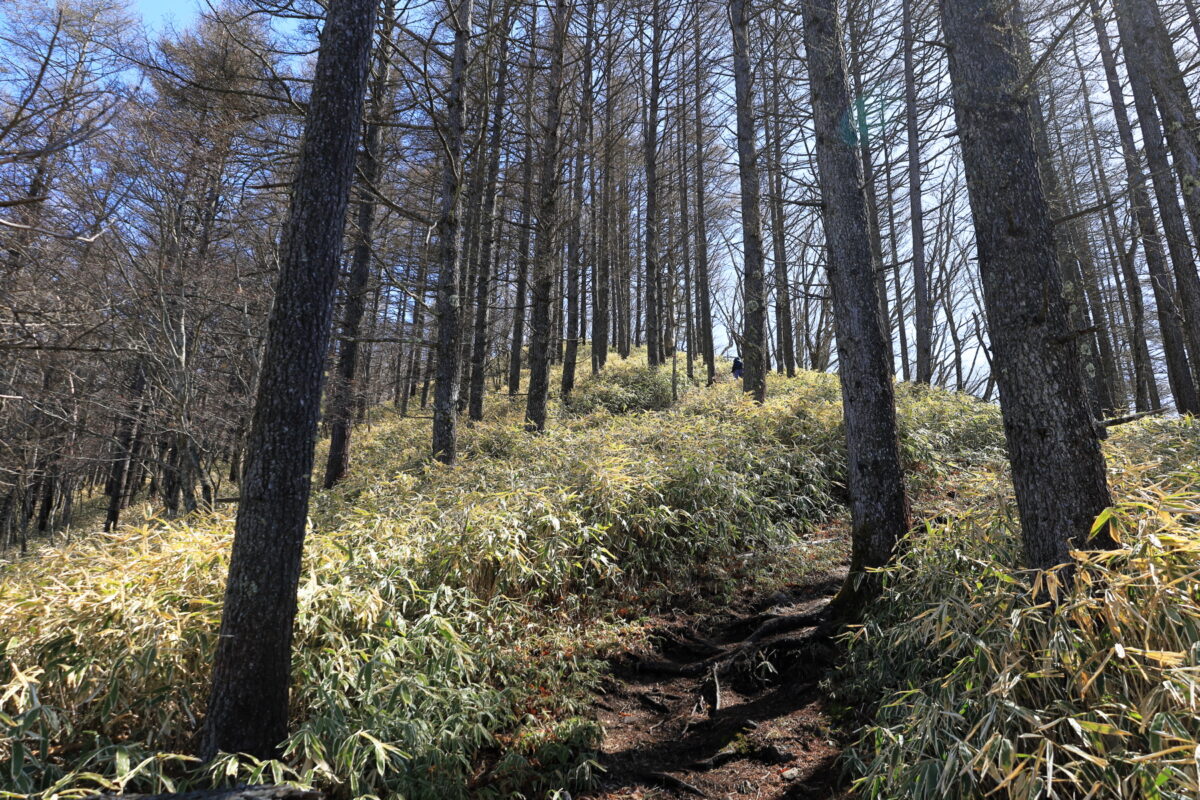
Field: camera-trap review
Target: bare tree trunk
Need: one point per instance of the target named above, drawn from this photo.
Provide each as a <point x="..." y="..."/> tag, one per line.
<point x="575" y="245"/>
<point x="704" y="295"/>
<point x="1154" y="70"/>
<point x="449" y="299"/>
<point x="878" y="505"/>
<point x="754" y="288"/>
<point x="488" y="250"/>
<point x="685" y="221"/>
<point x="859" y="115"/>
<point x="1145" y="388"/>
<point x="1176" y="345"/>
<point x="783" y="299"/>
<point x="1058" y="469"/>
<point x="654" y="353"/>
<point x="248" y="706"/>
<point x="522" y="288"/>
<point x="923" y="310"/>
<point x="342" y="387"/>
<point x="546" y="251"/>
<point x="602" y="326"/>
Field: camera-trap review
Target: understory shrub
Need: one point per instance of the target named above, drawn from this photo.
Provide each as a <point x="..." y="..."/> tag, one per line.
<point x="449" y="619"/>
<point x="627" y="386"/>
<point x="988" y="692"/>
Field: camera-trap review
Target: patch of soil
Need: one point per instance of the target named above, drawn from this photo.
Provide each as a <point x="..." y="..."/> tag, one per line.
<point x="725" y="706"/>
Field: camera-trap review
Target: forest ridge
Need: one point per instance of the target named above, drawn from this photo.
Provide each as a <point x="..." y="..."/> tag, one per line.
<point x="229" y="242"/>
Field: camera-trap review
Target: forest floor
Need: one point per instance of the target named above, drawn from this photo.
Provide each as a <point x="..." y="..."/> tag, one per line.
<point x="705" y="710"/>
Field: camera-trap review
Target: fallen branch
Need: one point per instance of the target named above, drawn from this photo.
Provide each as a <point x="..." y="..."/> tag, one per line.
<point x="1109" y="423"/>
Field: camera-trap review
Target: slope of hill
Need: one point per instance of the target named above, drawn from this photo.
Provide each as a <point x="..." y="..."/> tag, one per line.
<point x="455" y="624"/>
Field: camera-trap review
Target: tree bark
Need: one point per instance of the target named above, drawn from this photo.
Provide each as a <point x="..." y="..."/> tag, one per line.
<point x="1154" y="70"/>
<point x="575" y="247"/>
<point x="248" y="706"/>
<point x="546" y="251"/>
<point x="342" y="386"/>
<point x="754" y="289"/>
<point x="488" y="248"/>
<point x="878" y="504"/>
<point x="449" y="299"/>
<point x="703" y="292"/>
<point x="1058" y="469"/>
<point x="923" y="309"/>
<point x="654" y="354"/>
<point x="1176" y="345"/>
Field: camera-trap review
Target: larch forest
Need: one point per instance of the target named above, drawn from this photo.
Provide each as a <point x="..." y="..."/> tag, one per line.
<point x="613" y="399"/>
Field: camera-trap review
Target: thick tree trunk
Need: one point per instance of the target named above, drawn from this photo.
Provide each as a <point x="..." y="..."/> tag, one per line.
<point x="248" y="706"/>
<point x="878" y="505"/>
<point x="860" y="114"/>
<point x="1058" y="469"/>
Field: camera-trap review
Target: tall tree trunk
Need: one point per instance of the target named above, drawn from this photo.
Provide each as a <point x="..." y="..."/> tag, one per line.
<point x="783" y="299"/>
<point x="754" y="288"/>
<point x="878" y="505"/>
<point x="685" y="222"/>
<point x="601" y="286"/>
<point x="923" y="308"/>
<point x="575" y="245"/>
<point x="342" y="387"/>
<point x="650" y="155"/>
<point x="248" y="705"/>
<point x="862" y="129"/>
<point x="1071" y="279"/>
<point x="1058" y="469"/>
<point x="521" y="290"/>
<point x="546" y="251"/>
<point x="1152" y="64"/>
<point x="1145" y="390"/>
<point x="449" y="299"/>
<point x="488" y="250"/>
<point x="1176" y="345"/>
<point x="703" y="292"/>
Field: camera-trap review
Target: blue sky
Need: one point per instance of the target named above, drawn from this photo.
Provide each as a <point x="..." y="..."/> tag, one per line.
<point x="157" y="12"/>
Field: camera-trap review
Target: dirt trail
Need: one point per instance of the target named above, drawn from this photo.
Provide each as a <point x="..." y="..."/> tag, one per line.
<point x="725" y="706"/>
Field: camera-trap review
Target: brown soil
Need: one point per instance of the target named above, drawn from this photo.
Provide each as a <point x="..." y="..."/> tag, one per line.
<point x="759" y="730"/>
